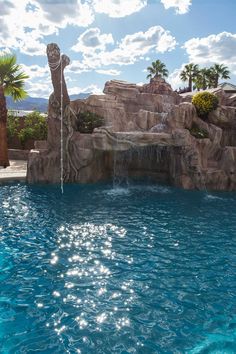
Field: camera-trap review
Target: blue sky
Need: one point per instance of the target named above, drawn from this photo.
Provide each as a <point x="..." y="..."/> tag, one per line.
<point x="117" y="39"/>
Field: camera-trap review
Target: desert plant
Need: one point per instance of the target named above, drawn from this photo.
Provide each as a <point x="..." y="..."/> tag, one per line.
<point x="205" y="102"/>
<point x="11" y="84"/>
<point x="198" y="132"/>
<point x="157" y="69"/>
<point x="88" y="121"/>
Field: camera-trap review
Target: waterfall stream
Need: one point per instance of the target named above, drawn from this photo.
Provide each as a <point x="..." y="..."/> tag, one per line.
<point x="62" y="150"/>
<point x="135" y="162"/>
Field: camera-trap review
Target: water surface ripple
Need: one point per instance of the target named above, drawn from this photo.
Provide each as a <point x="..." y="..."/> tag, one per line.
<point x="144" y="269"/>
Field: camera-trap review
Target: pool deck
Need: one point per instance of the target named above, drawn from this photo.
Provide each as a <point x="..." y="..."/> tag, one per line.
<point x="16" y="172"/>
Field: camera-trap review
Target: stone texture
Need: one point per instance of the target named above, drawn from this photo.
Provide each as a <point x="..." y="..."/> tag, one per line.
<point x="159" y="86"/>
<point x="231" y="100"/>
<point x="40" y="144"/>
<point x="103" y="140"/>
<point x="16" y="172"/>
<point x="17" y="154"/>
<point x="146" y="133"/>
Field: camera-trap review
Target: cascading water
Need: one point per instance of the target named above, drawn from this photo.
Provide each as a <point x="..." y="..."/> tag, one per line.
<point x="120" y="168"/>
<point x="136" y="162"/>
<point x="160" y="127"/>
<point x="62" y="152"/>
<point x="202" y="182"/>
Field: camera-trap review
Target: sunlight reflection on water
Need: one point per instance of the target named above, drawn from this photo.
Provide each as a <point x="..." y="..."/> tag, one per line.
<point x="143" y="269"/>
<point x="90" y="249"/>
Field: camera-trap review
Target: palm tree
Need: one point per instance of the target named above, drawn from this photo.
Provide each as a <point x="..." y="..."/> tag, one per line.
<point x="11" y="84"/>
<point x="189" y="73"/>
<point x="157" y="69"/>
<point x="203" y="79"/>
<point x="219" y="71"/>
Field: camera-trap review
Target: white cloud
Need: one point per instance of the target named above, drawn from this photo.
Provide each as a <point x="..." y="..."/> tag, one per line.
<point x="6" y="7"/>
<point x="216" y="48"/>
<point x="36" y="71"/>
<point x="155" y="37"/>
<point x="74" y="90"/>
<point x="91" y="40"/>
<point x="30" y="44"/>
<point x="118" y="8"/>
<point x="24" y="24"/>
<point x="129" y="50"/>
<point x="39" y="82"/>
<point x="66" y="12"/>
<point x="5" y="51"/>
<point x="181" y="6"/>
<point x="174" y="78"/>
<point x="44" y="89"/>
<point x="206" y="51"/>
<point x="110" y="72"/>
<point x="94" y="89"/>
<point x="78" y="67"/>
<point x="38" y="89"/>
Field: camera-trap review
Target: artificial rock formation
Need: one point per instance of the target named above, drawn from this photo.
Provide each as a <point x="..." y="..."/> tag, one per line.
<point x="147" y="132"/>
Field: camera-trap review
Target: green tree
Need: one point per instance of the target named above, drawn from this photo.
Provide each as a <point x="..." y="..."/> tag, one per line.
<point x="189" y="73"/>
<point x="157" y="69"/>
<point x="203" y="79"/>
<point x="219" y="71"/>
<point x="11" y="84"/>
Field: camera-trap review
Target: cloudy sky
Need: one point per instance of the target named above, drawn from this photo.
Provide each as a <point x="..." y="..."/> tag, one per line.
<point x="117" y="39"/>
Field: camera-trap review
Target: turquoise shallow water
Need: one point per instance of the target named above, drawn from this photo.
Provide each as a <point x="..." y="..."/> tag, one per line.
<point x="144" y="269"/>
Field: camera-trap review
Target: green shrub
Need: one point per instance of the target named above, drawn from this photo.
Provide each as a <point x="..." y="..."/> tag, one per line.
<point x="205" y="102"/>
<point x="35" y="127"/>
<point x="12" y="126"/>
<point x="88" y="121"/>
<point x="198" y="132"/>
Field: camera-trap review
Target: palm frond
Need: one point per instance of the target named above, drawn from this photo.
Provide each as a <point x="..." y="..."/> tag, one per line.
<point x="12" y="78"/>
<point x="157" y="69"/>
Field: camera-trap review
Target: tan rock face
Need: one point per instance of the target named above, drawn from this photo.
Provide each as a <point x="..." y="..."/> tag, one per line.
<point x="157" y="85"/>
<point x="147" y="133"/>
<point x="231" y="100"/>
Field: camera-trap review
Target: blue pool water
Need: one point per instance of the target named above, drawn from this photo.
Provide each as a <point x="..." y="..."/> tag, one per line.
<point x="144" y="269"/>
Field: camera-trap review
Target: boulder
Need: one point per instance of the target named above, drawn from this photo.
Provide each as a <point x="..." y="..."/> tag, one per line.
<point x="159" y="86"/>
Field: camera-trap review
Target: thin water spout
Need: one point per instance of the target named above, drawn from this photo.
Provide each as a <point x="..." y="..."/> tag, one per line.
<point x="202" y="181"/>
<point x="62" y="152"/>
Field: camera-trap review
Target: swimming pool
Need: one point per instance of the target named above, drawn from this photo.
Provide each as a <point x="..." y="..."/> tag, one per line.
<point x="143" y="269"/>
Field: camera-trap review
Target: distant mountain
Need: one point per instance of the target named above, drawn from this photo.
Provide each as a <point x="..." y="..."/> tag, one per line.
<point x="80" y="96"/>
<point x="29" y="104"/>
<point x="37" y="103"/>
